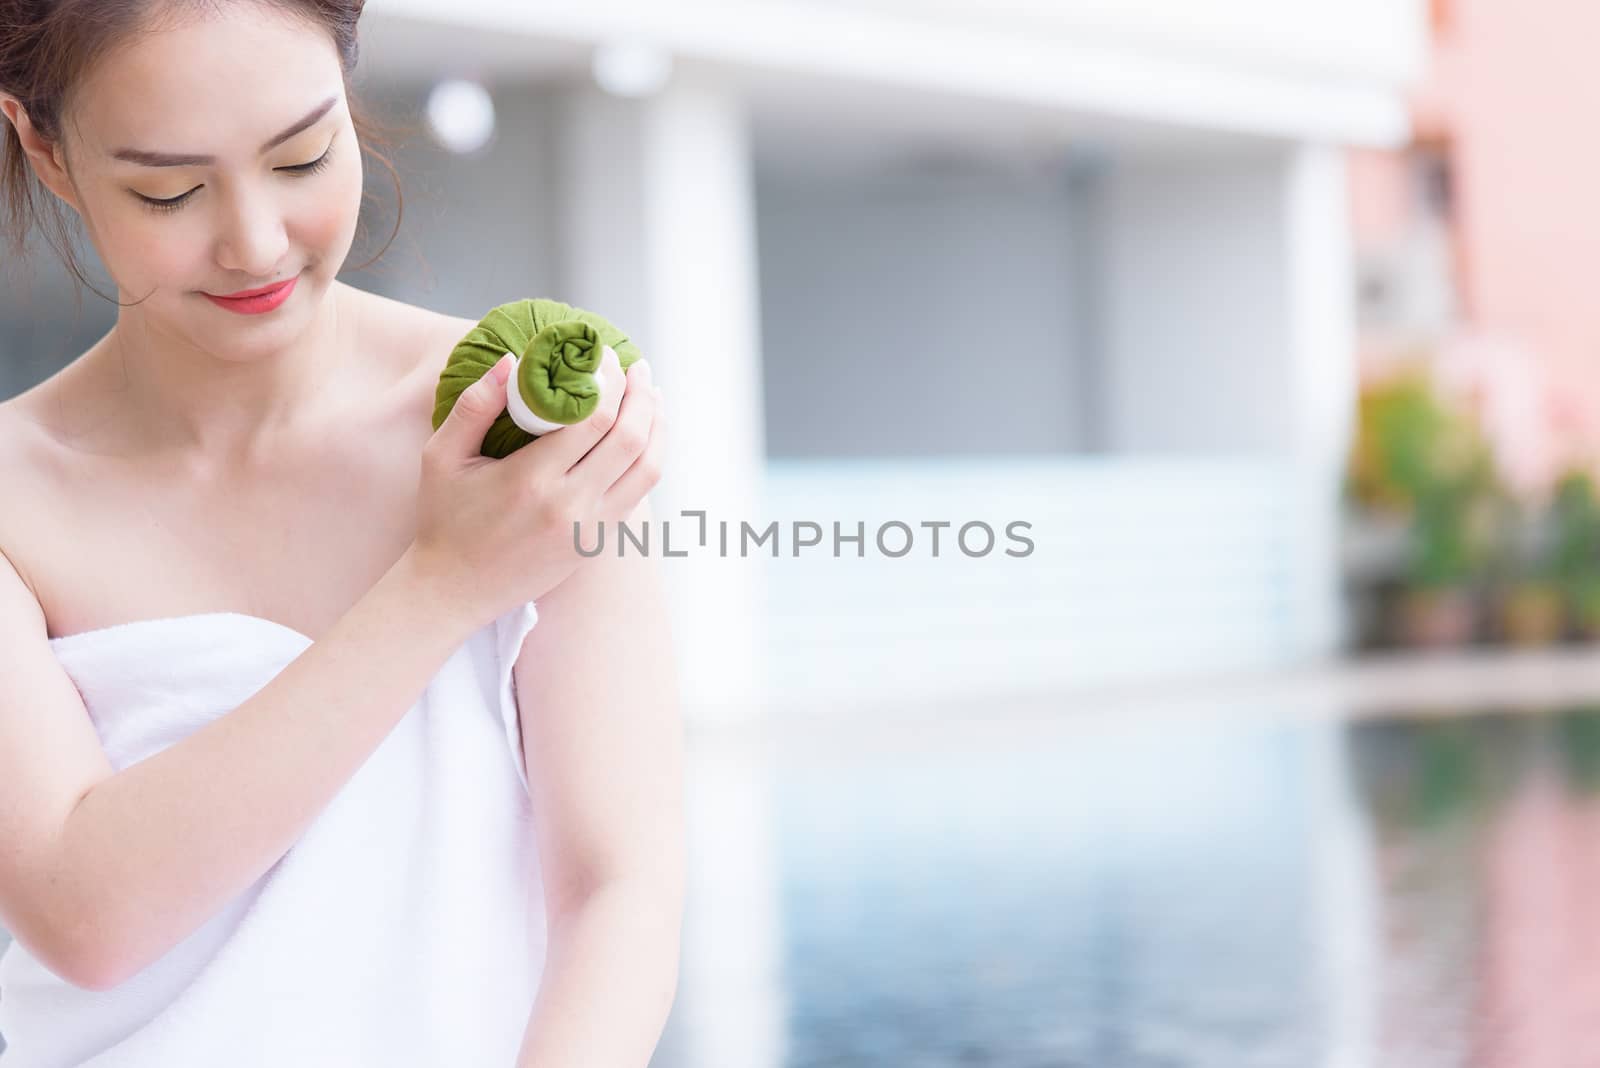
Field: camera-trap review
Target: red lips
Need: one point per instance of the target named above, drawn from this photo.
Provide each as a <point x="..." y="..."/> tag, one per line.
<point x="252" y="292"/>
<point x="255" y="301"/>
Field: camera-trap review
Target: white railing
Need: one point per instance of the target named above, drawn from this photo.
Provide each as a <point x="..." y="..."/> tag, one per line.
<point x="1142" y="569"/>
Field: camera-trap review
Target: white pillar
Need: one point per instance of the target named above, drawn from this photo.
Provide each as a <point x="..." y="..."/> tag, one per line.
<point x="1323" y="383"/>
<point x="658" y="227"/>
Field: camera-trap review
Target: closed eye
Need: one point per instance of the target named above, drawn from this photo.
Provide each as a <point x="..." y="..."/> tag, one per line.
<point x="170" y="204"/>
<point x="297" y="169"/>
<point x="314" y="166"/>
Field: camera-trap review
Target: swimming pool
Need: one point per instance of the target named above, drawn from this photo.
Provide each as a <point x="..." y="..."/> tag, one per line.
<point x="1230" y="892"/>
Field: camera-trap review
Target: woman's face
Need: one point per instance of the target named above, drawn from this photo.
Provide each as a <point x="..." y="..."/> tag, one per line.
<point x="261" y="96"/>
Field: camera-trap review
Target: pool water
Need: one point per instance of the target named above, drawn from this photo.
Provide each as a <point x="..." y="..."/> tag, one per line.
<point x="1230" y="893"/>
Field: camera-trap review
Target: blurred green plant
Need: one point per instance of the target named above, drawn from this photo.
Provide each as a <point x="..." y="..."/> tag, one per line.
<point x="1415" y="457"/>
<point x="1570" y="546"/>
<point x="1451" y="536"/>
<point x="1524" y="575"/>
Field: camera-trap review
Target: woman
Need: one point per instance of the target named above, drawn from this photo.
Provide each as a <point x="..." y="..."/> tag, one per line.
<point x="288" y="775"/>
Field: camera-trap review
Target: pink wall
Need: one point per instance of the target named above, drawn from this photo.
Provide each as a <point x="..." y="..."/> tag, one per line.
<point x="1513" y="96"/>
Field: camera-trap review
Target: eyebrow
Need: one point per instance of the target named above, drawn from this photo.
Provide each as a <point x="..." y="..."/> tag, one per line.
<point x="173" y="159"/>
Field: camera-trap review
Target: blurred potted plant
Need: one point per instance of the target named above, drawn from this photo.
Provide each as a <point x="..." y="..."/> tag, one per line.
<point x="1529" y="605"/>
<point x="1419" y="461"/>
<point x="1554" y="573"/>
<point x="1584" y="605"/>
<point x="1574" y="520"/>
<point x="1396" y="421"/>
<point x="1446" y="552"/>
<point x="1532" y="613"/>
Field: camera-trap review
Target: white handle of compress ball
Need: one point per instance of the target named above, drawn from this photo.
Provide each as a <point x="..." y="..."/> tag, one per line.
<point x="523" y="416"/>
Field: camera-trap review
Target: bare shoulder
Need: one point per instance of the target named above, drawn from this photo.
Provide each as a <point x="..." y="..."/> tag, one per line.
<point x="419" y="339"/>
<point x="411" y="331"/>
<point x="34" y="470"/>
<point x="28" y="438"/>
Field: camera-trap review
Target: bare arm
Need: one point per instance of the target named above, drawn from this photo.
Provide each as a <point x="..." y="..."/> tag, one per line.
<point x="101" y="873"/>
<point x="603" y="738"/>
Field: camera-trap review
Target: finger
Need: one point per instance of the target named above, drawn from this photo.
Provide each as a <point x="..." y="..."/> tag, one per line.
<point x="475" y="410"/>
<point x="619" y="501"/>
<point x="556" y="451"/>
<point x="623" y="443"/>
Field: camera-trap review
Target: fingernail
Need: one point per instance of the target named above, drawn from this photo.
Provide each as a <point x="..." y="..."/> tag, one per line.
<point x="645" y="368"/>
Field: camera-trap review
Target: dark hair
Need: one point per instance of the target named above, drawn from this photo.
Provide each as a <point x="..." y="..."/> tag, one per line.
<point x="45" y="47"/>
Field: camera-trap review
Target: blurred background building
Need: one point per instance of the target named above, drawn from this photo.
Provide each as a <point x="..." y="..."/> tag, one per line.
<point x="1083" y="265"/>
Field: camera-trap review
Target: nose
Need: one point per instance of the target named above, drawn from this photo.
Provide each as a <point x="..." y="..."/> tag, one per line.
<point x="253" y="239"/>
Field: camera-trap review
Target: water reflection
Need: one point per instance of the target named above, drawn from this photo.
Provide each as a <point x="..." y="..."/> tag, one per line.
<point x="1489" y="853"/>
<point x="1233" y="893"/>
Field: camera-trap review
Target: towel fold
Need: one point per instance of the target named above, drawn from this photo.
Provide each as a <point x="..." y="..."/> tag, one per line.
<point x="404" y="928"/>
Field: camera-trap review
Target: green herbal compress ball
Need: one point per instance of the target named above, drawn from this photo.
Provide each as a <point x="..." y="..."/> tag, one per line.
<point x="557" y="348"/>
